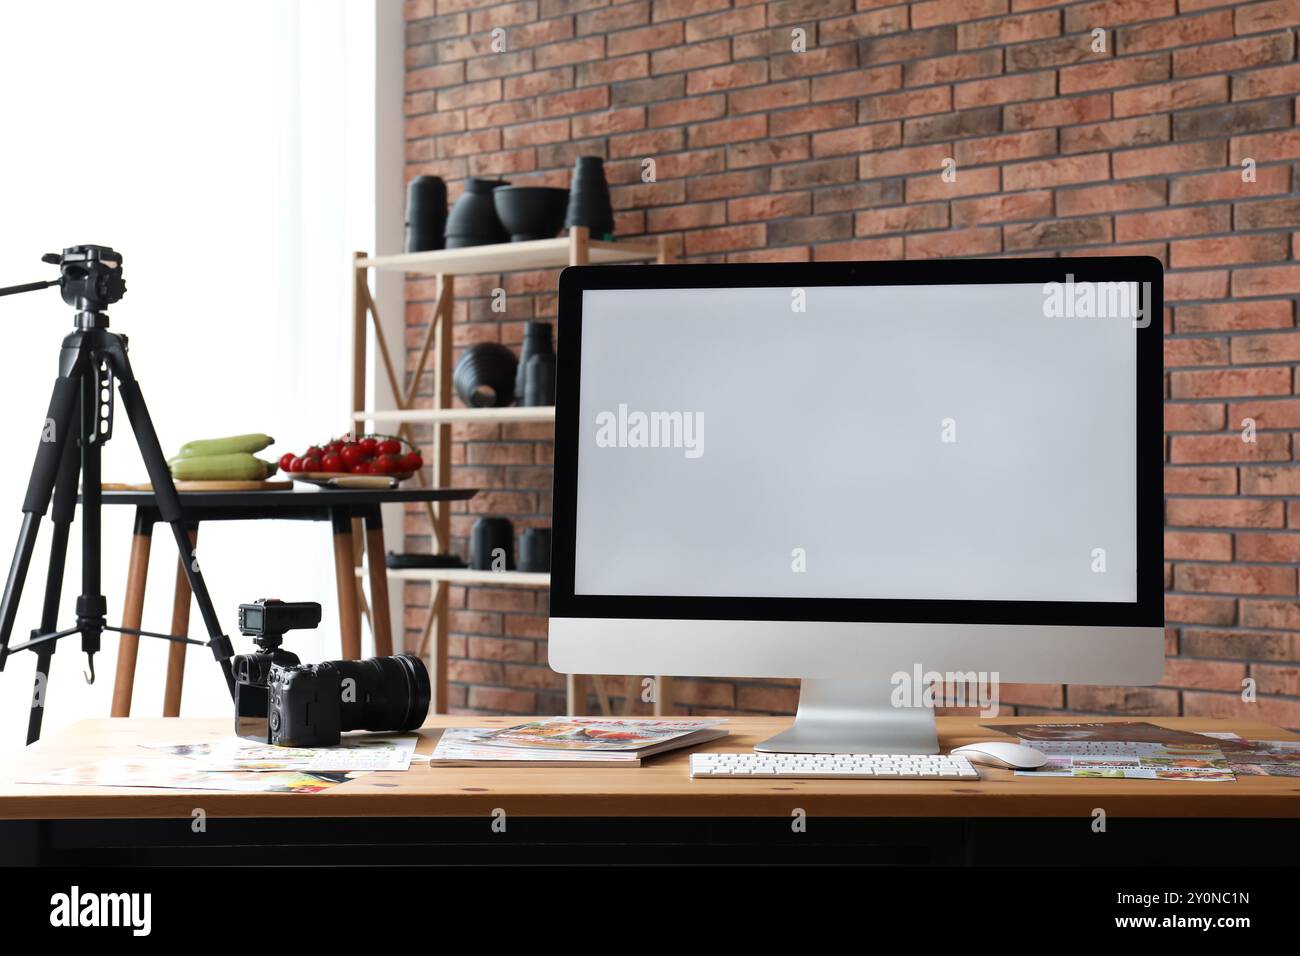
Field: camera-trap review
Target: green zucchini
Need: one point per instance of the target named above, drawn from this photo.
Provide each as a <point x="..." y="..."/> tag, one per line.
<point x="231" y="445"/>
<point x="239" y="466"/>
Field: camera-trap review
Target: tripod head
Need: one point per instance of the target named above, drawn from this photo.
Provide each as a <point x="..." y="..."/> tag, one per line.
<point x="90" y="277"/>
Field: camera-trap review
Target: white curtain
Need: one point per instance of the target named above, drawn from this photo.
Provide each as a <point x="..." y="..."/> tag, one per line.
<point x="216" y="147"/>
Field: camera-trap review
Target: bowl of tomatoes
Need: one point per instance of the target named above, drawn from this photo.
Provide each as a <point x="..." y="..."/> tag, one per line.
<point x="389" y="456"/>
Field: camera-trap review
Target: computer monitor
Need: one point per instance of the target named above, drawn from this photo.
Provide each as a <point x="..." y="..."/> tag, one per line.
<point x="852" y="473"/>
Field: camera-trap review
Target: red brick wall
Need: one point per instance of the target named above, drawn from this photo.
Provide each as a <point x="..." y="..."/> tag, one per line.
<point x="837" y="153"/>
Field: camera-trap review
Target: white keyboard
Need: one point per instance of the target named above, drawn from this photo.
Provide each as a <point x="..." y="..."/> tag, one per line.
<point x="848" y="766"/>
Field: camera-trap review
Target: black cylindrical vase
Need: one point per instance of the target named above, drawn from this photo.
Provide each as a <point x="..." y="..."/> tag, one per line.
<point x="488" y="538"/>
<point x="537" y="341"/>
<point x="426" y="213"/>
<point x="473" y="220"/>
<point x="589" y="202"/>
<point x="539" y="380"/>
<point x="535" y="549"/>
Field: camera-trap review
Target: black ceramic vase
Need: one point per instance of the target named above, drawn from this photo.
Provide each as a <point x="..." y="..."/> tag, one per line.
<point x="537" y="341"/>
<point x="539" y="380"/>
<point x="487" y="537"/>
<point x="485" y="376"/>
<point x="535" y="549"/>
<point x="473" y="220"/>
<point x="426" y="213"/>
<point x="589" y="203"/>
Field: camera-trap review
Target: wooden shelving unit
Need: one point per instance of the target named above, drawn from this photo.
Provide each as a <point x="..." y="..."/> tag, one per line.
<point x="430" y="416"/>
<point x="436" y="353"/>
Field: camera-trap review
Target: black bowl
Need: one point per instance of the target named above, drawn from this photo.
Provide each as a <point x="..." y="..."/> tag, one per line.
<point x="531" y="212"/>
<point x="485" y="376"/>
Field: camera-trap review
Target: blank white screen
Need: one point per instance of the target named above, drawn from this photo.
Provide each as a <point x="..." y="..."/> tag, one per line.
<point x="823" y="446"/>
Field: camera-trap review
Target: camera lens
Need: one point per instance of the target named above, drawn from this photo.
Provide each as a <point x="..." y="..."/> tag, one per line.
<point x="390" y="693"/>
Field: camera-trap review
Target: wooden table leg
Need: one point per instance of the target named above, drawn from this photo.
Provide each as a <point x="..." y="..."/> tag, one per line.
<point x="346" y="583"/>
<point x="132" y="613"/>
<point x="376" y="559"/>
<point x="663" y="696"/>
<point x="181" y="628"/>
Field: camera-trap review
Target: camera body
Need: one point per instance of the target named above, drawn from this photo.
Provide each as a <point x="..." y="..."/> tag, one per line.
<point x="279" y="700"/>
<point x="304" y="705"/>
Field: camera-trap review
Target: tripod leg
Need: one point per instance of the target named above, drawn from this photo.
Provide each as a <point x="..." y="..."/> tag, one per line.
<point x="169" y="503"/>
<point x="40" y="688"/>
<point x="65" y="506"/>
<point x="55" y="436"/>
<point x="91" y="605"/>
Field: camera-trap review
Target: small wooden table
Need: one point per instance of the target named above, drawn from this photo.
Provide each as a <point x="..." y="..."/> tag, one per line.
<point x="340" y="507"/>
<point x="657" y="811"/>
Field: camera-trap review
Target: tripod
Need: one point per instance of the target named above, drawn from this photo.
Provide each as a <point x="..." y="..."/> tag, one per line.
<point x="78" y="423"/>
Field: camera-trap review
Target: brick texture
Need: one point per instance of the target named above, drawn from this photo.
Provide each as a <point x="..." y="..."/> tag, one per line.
<point x="794" y="130"/>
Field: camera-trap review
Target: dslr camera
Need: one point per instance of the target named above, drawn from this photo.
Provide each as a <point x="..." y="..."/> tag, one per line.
<point x="280" y="700"/>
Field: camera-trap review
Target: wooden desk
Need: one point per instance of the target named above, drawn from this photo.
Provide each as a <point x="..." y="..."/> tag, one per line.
<point x="442" y="806"/>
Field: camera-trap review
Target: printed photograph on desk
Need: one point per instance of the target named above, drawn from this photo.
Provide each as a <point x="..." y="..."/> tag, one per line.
<point x="354" y="752"/>
<point x="595" y="733"/>
<point x="1261" y="758"/>
<point x="1132" y="760"/>
<point x="167" y="774"/>
<point x="1136" y="731"/>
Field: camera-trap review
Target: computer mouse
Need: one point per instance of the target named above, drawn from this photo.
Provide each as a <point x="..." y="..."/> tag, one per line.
<point x="1000" y="753"/>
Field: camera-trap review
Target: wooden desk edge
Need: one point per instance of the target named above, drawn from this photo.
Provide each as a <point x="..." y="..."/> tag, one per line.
<point x="664" y="790"/>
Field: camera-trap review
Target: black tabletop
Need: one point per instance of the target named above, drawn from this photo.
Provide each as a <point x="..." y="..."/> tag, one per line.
<point x="289" y="499"/>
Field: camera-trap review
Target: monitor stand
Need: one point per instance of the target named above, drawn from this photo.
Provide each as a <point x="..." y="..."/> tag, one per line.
<point x="839" y="716"/>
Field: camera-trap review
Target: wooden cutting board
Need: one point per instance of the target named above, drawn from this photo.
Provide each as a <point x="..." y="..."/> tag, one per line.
<point x="231" y="485"/>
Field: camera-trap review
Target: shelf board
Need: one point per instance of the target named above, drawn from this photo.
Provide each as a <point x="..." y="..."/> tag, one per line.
<point x="523" y="579"/>
<point x="509" y="257"/>
<point x="434" y="416"/>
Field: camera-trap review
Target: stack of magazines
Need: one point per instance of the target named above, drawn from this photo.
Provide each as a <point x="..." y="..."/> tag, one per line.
<point x="573" y="741"/>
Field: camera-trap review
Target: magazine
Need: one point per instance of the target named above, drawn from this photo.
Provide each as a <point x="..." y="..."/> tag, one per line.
<point x="574" y="741"/>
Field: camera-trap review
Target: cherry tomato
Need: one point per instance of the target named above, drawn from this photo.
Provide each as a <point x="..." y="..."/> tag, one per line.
<point x="331" y="462"/>
<point x="351" y="454"/>
<point x="369" y="445"/>
<point x="296" y="464"/>
<point x="312" y="452"/>
<point x="412" y="461"/>
<point x="387" y="464"/>
<point x="286" y="461"/>
<point x="334" y="446"/>
<point x="310" y="463"/>
<point x="389" y="446"/>
<point x="360" y="468"/>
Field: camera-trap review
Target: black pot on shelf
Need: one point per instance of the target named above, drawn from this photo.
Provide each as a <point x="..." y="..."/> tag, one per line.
<point x="539" y="380"/>
<point x="473" y="220"/>
<point x="535" y="549"/>
<point x="426" y="213"/>
<point x="589" y="202"/>
<point x="485" y="539"/>
<point x="485" y="376"/>
<point x="531" y="212"/>
<point x="537" y="341"/>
